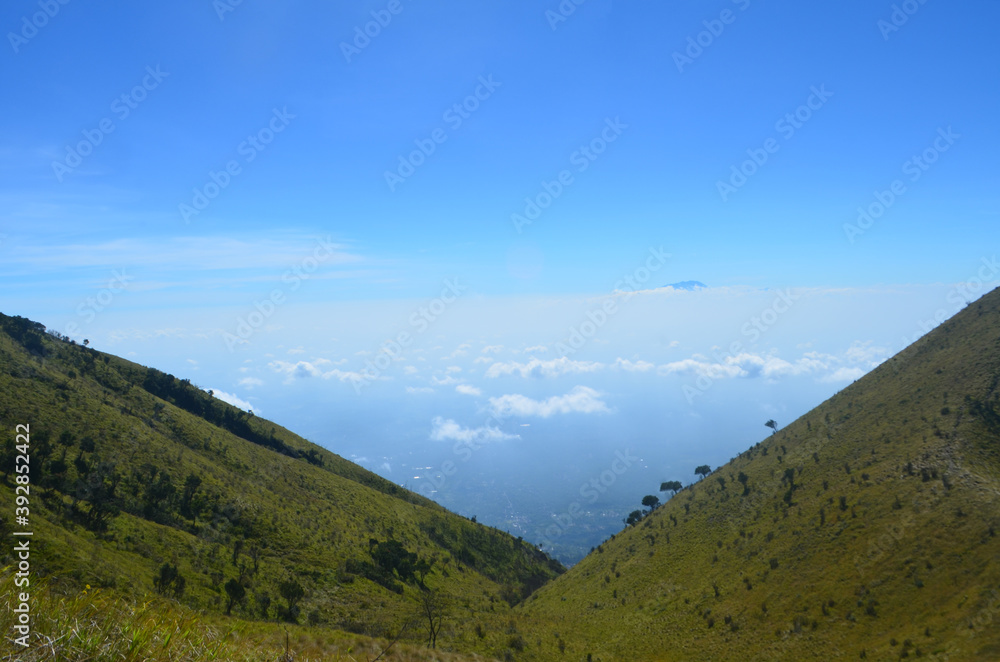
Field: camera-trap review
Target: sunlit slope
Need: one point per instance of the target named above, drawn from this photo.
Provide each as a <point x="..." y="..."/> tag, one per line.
<point x="867" y="529"/>
<point x="133" y="470"/>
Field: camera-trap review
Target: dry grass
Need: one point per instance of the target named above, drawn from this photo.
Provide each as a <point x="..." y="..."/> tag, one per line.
<point x="95" y="625"/>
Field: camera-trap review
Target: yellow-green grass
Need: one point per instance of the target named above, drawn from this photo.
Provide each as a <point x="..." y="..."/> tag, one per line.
<point x="908" y="565"/>
<point x="94" y="625"/>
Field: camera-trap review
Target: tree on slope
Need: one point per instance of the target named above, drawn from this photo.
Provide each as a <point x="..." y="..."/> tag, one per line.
<point x="673" y="486"/>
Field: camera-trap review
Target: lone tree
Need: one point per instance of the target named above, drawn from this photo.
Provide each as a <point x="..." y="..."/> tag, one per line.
<point x="703" y="470"/>
<point x="236" y="593"/>
<point x="743" y="478"/>
<point x="634" y="517"/>
<point x="673" y="485"/>
<point x="433" y="606"/>
<point x="773" y="425"/>
<point x="292" y="592"/>
<point x="650" y="502"/>
<point x="394" y="558"/>
<point x="169" y="580"/>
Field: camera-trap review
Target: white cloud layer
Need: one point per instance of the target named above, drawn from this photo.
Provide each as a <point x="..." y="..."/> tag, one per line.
<point x="853" y="364"/>
<point x="449" y="430"/>
<point x="581" y="400"/>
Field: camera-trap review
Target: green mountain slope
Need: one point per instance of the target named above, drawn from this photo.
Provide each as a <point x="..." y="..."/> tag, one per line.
<point x="867" y="529"/>
<point x="143" y="483"/>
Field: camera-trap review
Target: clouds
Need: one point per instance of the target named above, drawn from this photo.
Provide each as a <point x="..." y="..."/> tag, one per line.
<point x="234" y="400"/>
<point x="629" y="366"/>
<point x="844" y="375"/>
<point x="857" y="360"/>
<point x="539" y="368"/>
<point x="449" y="430"/>
<point x="581" y="400"/>
<point x="461" y="350"/>
<point x="304" y="369"/>
<point x="701" y="367"/>
<point x="182" y="253"/>
<point x="847" y="365"/>
<point x="866" y="353"/>
<point x="743" y="365"/>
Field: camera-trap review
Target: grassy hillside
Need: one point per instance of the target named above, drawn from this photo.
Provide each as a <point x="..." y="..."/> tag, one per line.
<point x="143" y="484"/>
<point x="96" y="624"/>
<point x="867" y="529"/>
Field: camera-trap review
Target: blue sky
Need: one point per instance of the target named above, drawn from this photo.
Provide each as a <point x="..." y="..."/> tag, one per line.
<point x="627" y="123"/>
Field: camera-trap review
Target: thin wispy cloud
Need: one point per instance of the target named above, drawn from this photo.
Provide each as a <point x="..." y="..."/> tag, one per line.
<point x="181" y="253"/>
<point x="306" y="369"/>
<point x="632" y="366"/>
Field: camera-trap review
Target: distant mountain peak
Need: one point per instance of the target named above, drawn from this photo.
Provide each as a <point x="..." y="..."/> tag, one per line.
<point x="688" y="285"/>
